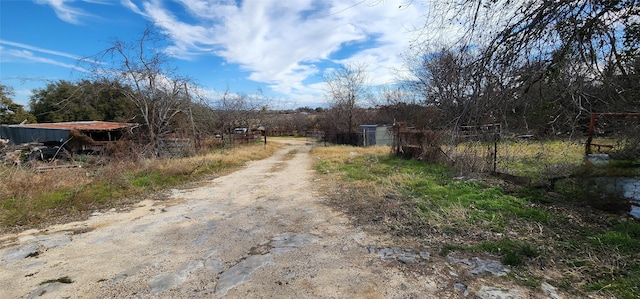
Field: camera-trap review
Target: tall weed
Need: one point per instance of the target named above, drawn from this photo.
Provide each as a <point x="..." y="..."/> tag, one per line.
<point x="29" y="198"/>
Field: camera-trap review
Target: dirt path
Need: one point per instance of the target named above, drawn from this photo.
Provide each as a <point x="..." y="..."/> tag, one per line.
<point x="261" y="232"/>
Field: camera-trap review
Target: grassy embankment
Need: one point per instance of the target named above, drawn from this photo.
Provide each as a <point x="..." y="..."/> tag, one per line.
<point x="30" y="199"/>
<point x="555" y="239"/>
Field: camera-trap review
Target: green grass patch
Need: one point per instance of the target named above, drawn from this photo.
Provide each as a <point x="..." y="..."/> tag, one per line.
<point x="100" y="193"/>
<point x="596" y="253"/>
<point x="620" y="285"/>
<point x="435" y="191"/>
<point x="157" y="180"/>
<point x="625" y="237"/>
<point x="53" y="199"/>
<point x="486" y="205"/>
<point x="513" y="252"/>
<point x="15" y="211"/>
<point x="208" y="167"/>
<point x="26" y="210"/>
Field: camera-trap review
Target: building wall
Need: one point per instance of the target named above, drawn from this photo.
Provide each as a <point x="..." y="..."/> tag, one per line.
<point x="383" y="136"/>
<point x="20" y="135"/>
<point x="375" y="135"/>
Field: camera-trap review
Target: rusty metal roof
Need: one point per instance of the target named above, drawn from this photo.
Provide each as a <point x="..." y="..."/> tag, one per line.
<point x="81" y="125"/>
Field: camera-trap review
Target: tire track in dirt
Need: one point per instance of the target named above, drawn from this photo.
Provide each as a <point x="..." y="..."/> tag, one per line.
<point x="260" y="232"/>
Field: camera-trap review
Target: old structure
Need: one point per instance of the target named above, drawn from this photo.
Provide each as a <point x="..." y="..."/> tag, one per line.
<point x="80" y="136"/>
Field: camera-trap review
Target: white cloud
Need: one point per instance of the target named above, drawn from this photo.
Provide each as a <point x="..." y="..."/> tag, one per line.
<point x="63" y="11"/>
<point x="132" y="6"/>
<point x="27" y="52"/>
<point x="29" y="56"/>
<point x="188" y="38"/>
<point x="280" y="43"/>
<point x="286" y="44"/>
<point x="102" y="2"/>
<point x="38" y="49"/>
<point x="23" y="52"/>
<point x="283" y="43"/>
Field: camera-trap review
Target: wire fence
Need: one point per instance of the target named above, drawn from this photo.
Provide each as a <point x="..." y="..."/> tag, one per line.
<point x="600" y="167"/>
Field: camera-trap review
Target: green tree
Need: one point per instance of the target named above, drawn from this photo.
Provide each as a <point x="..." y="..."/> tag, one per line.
<point x="108" y="99"/>
<point x="60" y="102"/>
<point x="65" y="101"/>
<point x="10" y="112"/>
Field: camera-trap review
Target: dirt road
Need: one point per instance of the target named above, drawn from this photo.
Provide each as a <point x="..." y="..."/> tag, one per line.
<point x="261" y="232"/>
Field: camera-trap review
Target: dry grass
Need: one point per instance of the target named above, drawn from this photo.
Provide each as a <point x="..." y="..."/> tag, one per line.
<point x="582" y="251"/>
<point x="27" y="181"/>
<point x="537" y="160"/>
<point x="370" y="198"/>
<point x="341" y="153"/>
<point x="29" y="198"/>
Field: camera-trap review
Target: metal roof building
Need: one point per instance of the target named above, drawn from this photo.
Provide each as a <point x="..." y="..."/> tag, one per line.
<point x="59" y="132"/>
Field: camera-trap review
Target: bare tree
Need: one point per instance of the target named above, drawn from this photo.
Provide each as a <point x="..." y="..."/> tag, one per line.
<point x="400" y="105"/>
<point x="451" y="82"/>
<point x="157" y="92"/>
<point x="234" y="110"/>
<point x="347" y="89"/>
<point x="541" y="63"/>
<point x="551" y="30"/>
<point x="585" y="35"/>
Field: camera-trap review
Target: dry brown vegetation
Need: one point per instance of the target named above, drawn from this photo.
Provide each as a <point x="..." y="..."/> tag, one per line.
<point x="33" y="198"/>
<point x="543" y="237"/>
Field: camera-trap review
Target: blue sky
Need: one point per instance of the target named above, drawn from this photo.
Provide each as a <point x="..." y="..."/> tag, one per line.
<point x="282" y="47"/>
